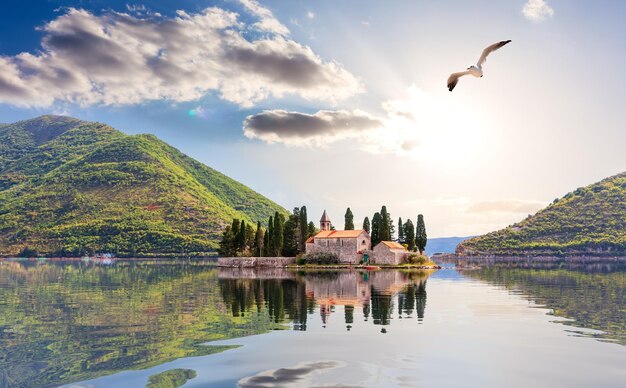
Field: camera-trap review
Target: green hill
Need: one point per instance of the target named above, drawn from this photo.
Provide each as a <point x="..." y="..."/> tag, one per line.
<point x="69" y="187"/>
<point x="589" y="221"/>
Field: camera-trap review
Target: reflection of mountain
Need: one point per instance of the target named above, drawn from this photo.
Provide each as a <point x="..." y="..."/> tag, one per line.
<point x="593" y="300"/>
<point x="291" y="297"/>
<point x="65" y="323"/>
<point x="61" y="324"/>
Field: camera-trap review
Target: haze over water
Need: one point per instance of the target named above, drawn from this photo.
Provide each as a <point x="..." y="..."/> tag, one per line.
<point x="118" y="325"/>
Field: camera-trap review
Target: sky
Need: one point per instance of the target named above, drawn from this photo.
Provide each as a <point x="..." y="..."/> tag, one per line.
<point x="343" y="104"/>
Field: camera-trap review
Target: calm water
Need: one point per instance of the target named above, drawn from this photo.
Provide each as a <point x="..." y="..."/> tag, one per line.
<point x="118" y="325"/>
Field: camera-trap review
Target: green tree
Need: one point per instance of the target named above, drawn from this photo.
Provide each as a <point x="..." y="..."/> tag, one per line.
<point x="235" y="226"/>
<point x="366" y="225"/>
<point x="303" y="228"/>
<point x="291" y="233"/>
<point x="266" y="243"/>
<point x="311" y="229"/>
<point x="349" y="218"/>
<point x="250" y="232"/>
<point x="270" y="237"/>
<point x="227" y="243"/>
<point x="240" y="238"/>
<point x="409" y="234"/>
<point x="384" y="232"/>
<point x="376" y="221"/>
<point x="420" y="234"/>
<point x="258" y="240"/>
<point x="400" y="231"/>
<point x="278" y="240"/>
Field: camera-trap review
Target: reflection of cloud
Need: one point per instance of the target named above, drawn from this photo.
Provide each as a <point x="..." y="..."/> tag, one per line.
<point x="537" y="10"/>
<point x="296" y="376"/>
<point x="128" y="58"/>
<point x="506" y="206"/>
<point x="294" y="128"/>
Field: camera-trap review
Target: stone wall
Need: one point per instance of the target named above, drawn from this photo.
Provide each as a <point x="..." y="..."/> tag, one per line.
<point x="345" y="248"/>
<point x="249" y="262"/>
<point x="384" y="255"/>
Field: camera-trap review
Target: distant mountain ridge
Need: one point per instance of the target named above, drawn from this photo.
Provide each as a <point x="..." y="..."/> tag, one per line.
<point x="71" y="187"/>
<point x="444" y="244"/>
<point x="588" y="221"/>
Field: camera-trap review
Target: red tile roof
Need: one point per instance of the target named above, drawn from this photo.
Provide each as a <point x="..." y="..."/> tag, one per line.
<point x="339" y="233"/>
<point x="393" y="245"/>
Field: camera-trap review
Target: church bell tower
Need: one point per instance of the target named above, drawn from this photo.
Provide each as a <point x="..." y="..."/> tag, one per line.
<point x="325" y="222"/>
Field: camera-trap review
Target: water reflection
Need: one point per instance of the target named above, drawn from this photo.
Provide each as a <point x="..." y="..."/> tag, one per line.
<point x="592" y="300"/>
<point x="292" y="297"/>
<point x="61" y="323"/>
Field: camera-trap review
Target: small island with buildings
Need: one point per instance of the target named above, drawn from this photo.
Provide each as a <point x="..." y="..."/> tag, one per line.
<point x="349" y="248"/>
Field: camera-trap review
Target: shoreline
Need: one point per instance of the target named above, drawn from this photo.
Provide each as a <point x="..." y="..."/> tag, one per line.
<point x="365" y="267"/>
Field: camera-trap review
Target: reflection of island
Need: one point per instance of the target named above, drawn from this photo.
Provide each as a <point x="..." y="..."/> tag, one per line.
<point x="592" y="300"/>
<point x="291" y="297"/>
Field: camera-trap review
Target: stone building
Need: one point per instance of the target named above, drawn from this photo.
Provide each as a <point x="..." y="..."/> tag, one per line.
<point x="348" y="245"/>
<point x="389" y="252"/>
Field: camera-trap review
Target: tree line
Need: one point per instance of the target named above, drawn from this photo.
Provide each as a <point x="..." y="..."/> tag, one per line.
<point x="286" y="236"/>
<point x="381" y="228"/>
<point x="283" y="236"/>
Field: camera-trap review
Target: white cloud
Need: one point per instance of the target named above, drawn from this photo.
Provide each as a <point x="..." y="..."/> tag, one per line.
<point x="267" y="22"/>
<point x="300" y="129"/>
<point x="310" y="15"/>
<point x="537" y="10"/>
<point x="416" y="125"/>
<point x="117" y="58"/>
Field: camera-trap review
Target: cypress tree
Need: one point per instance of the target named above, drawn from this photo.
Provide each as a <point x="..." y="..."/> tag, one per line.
<point x="234" y="228"/>
<point x="420" y="234"/>
<point x="311" y="229"/>
<point x="366" y="225"/>
<point x="384" y="229"/>
<point x="400" y="231"/>
<point x="349" y="218"/>
<point x="376" y="220"/>
<point x="269" y="247"/>
<point x="303" y="226"/>
<point x="278" y="240"/>
<point x="266" y="244"/>
<point x="240" y="240"/>
<point x="409" y="235"/>
<point x="257" y="244"/>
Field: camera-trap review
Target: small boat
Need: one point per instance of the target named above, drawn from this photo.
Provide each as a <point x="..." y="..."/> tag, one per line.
<point x="372" y="267"/>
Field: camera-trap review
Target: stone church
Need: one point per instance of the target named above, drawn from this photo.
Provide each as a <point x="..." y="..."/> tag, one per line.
<point x="348" y="245"/>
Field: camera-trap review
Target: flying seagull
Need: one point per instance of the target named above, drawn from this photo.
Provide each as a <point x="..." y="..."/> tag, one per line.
<point x="477" y="69"/>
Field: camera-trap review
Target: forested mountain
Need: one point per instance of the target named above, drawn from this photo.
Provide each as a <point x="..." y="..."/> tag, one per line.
<point x="70" y="187"/>
<point x="588" y="221"/>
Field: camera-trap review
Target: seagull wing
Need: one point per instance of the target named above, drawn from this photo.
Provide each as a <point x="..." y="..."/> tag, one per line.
<point x="454" y="79"/>
<point x="488" y="50"/>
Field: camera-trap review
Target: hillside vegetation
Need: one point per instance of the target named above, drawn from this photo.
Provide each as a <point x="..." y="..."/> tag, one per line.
<point x="69" y="187"/>
<point x="589" y="221"/>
